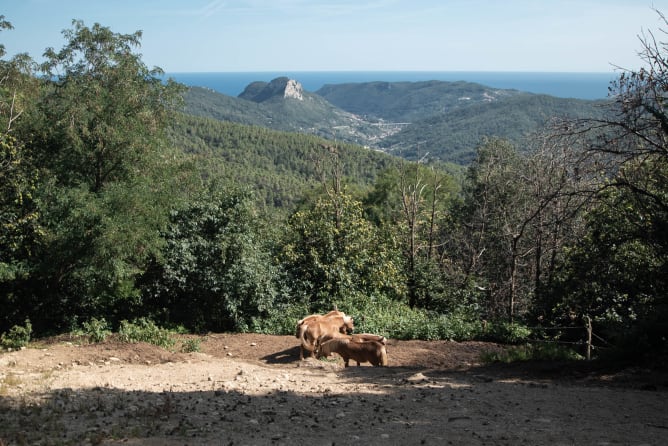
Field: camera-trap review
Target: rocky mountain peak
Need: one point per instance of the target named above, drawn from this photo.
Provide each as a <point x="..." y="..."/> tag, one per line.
<point x="280" y="87"/>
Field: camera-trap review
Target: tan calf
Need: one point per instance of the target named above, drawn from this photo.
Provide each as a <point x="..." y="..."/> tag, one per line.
<point x="368" y="351"/>
<point x="358" y="337"/>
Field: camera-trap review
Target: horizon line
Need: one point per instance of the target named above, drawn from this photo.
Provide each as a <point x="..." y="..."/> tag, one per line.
<point x="398" y="71"/>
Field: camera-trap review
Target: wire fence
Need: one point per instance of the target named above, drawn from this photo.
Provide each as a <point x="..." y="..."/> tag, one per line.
<point x="588" y="339"/>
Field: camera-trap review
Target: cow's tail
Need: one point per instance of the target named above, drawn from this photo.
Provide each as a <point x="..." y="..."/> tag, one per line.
<point x="383" y="356"/>
<point x="301" y="334"/>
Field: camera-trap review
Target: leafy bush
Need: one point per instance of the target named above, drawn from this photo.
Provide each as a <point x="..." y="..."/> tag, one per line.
<point x="191" y="345"/>
<point x="97" y="330"/>
<point x="533" y="352"/>
<point x="393" y="319"/>
<point x="18" y="336"/>
<point x="282" y="320"/>
<point x="145" y="330"/>
<point x="506" y="332"/>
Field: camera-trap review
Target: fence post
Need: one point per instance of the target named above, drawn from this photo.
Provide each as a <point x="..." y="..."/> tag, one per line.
<point x="589" y="336"/>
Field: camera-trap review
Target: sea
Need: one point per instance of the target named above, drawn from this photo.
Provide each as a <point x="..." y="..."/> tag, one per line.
<point x="564" y="85"/>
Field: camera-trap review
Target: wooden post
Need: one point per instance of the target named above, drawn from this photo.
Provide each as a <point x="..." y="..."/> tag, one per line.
<point x="589" y="335"/>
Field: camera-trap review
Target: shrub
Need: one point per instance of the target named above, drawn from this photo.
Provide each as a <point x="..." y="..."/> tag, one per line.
<point x="18" y="336"/>
<point x="281" y="321"/>
<point x="191" y="345"/>
<point x="145" y="330"/>
<point x="97" y="330"/>
<point x="532" y="352"/>
<point x="381" y="315"/>
<point x="506" y="332"/>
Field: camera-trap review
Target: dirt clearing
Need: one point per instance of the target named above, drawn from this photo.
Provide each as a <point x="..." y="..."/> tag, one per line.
<point x="249" y="389"/>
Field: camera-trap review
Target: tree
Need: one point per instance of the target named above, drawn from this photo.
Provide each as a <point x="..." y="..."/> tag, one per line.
<point x="107" y="177"/>
<point x="106" y="110"/>
<point x="332" y="252"/>
<point x="20" y="228"/>
<point x="215" y="271"/>
<point x="494" y="201"/>
<point x="617" y="274"/>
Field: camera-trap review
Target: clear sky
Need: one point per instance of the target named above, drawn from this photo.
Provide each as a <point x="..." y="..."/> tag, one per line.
<point x="359" y="35"/>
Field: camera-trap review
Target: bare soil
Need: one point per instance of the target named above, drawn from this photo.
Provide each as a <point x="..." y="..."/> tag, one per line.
<point x="250" y="389"/>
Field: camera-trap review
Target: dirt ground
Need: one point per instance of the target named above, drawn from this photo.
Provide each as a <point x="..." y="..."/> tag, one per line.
<point x="249" y="389"/>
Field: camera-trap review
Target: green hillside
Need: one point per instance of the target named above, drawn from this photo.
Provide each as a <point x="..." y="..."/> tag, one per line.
<point x="453" y="135"/>
<point x="447" y="120"/>
<point x="410" y="101"/>
<point x="309" y="115"/>
<point x="279" y="166"/>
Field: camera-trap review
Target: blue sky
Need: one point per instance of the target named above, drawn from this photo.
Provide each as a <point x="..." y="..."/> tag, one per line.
<point x="314" y="35"/>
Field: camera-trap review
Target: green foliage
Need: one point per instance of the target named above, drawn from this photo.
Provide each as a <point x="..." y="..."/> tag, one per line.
<point x="381" y="315"/>
<point x="618" y="273"/>
<point x="282" y="317"/>
<point x="192" y="345"/>
<point x="145" y="330"/>
<point x="90" y="221"/>
<point x="215" y="271"/>
<point x="97" y="330"/>
<point x="280" y="166"/>
<point x="18" y="336"/>
<point x="505" y="332"/>
<point x="491" y="215"/>
<point x="107" y="110"/>
<point x="533" y="352"/>
<point x="20" y="229"/>
<point x="332" y="250"/>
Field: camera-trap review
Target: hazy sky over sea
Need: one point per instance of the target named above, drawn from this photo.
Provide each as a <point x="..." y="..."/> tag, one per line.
<point x="311" y="35"/>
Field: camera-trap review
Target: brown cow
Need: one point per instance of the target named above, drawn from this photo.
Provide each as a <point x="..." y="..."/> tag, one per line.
<point x="315" y="317"/>
<point x="311" y="330"/>
<point x="369" y="351"/>
<point x="358" y="337"/>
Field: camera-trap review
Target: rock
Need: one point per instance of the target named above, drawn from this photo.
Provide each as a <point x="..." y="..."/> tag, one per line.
<point x="280" y="87"/>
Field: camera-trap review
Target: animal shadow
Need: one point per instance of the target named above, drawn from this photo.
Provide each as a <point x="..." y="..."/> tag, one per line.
<point x="283" y="357"/>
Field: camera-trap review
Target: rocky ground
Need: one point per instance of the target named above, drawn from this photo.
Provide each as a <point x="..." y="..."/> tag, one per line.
<point x="249" y="389"/>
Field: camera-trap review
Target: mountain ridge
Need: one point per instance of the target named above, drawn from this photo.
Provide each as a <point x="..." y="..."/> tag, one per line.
<point x="446" y="119"/>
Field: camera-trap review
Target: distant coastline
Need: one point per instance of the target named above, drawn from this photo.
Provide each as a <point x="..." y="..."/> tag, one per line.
<point x="564" y="85"/>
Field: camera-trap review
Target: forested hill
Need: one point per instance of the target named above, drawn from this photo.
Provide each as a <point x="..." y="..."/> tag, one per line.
<point x="410" y="101"/>
<point x="304" y="113"/>
<point x="278" y="166"/>
<point x="449" y="119"/>
<point x="446" y="119"/>
<point x="453" y="134"/>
